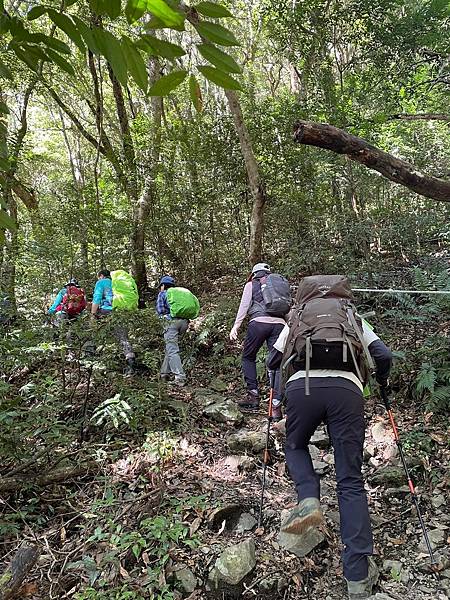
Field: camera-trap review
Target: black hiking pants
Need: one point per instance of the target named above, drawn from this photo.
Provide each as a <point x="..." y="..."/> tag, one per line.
<point x="257" y="334"/>
<point x="339" y="403"/>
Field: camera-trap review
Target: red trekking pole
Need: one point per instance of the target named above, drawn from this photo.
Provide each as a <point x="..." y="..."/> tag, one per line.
<point x="266" y="456"/>
<point x="412" y="489"/>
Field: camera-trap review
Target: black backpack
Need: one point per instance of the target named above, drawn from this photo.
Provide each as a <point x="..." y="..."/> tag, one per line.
<point x="276" y="293"/>
<point x="325" y="330"/>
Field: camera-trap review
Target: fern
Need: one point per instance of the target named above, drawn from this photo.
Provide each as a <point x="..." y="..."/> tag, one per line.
<point x="440" y="398"/>
<point x="426" y="379"/>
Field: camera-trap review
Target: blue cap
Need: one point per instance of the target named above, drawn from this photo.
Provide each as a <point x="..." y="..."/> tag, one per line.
<point x="167" y="279"/>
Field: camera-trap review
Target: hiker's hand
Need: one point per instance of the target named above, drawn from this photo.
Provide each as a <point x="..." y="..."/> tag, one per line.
<point x="234" y="334"/>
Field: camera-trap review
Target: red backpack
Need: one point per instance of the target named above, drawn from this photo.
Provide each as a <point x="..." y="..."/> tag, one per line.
<point x="74" y="301"/>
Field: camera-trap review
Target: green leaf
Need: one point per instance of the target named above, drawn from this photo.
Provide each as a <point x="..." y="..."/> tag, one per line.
<point x="167" y="83"/>
<point x="36" y="12"/>
<point x="99" y="7"/>
<point x="135" y="63"/>
<point x="113" y="8"/>
<point x="30" y="55"/>
<point x="216" y="33"/>
<point x="195" y="93"/>
<point x="209" y="9"/>
<point x="3" y="108"/>
<point x="6" y="222"/>
<point x="87" y="35"/>
<point x="60" y="61"/>
<point x="219" y="58"/>
<point x="155" y="23"/>
<point x="52" y="42"/>
<point x="170" y="17"/>
<point x="112" y="50"/>
<point x="5" y="72"/>
<point x="134" y="10"/>
<point x="157" y="47"/>
<point x="67" y="25"/>
<point x="220" y="78"/>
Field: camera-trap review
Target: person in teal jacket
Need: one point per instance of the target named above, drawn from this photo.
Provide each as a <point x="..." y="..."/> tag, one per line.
<point x="102" y="307"/>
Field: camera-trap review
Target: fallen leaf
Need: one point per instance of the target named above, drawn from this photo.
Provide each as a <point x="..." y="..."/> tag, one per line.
<point x="195" y="525"/>
<point x="124" y="572"/>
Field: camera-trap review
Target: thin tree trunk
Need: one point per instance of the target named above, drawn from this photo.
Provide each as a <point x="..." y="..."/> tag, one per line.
<point x="357" y="149"/>
<point x="254" y="178"/>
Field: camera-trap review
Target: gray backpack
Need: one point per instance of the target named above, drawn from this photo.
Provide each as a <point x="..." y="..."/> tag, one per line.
<point x="325" y="331"/>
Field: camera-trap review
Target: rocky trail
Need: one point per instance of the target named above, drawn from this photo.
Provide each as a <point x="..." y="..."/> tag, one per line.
<point x="240" y="560"/>
<point x="181" y="508"/>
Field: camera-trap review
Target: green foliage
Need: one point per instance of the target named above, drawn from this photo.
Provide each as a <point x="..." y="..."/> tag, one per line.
<point x="220" y="78"/>
<point x="216" y="33"/>
<point x="167" y="83"/>
<point x="210" y="9"/>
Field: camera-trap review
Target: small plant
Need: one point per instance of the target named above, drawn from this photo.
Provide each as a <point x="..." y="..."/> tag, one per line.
<point x="113" y="409"/>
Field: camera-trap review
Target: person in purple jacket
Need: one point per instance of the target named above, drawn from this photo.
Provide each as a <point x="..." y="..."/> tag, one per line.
<point x="261" y="328"/>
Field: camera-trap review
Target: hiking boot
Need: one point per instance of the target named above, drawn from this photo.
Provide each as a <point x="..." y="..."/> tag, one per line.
<point x="130" y="369"/>
<point x="165" y="377"/>
<point x="277" y="415"/>
<point x="306" y="514"/>
<point x="360" y="590"/>
<point x="250" y="402"/>
<point x="178" y="382"/>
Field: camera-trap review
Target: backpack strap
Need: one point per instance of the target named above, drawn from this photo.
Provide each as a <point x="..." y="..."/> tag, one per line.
<point x="359" y="333"/>
<point x="308" y="352"/>
<point x="355" y="362"/>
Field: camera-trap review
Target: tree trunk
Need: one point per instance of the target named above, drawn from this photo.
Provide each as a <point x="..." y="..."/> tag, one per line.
<point x="254" y="178"/>
<point x="357" y="149"/>
<point x="146" y="199"/>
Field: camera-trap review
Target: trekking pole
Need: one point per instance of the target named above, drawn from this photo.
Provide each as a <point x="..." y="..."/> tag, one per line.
<point x="266" y="456"/>
<point x="387" y="404"/>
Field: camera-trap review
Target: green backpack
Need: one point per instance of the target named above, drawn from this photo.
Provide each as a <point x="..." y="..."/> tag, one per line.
<point x="125" y="293"/>
<point x="183" y="304"/>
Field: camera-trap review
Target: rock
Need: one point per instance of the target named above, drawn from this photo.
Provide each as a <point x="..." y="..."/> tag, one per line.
<point x="221" y="410"/>
<point x="314" y="452"/>
<point x="329" y="459"/>
<point x="320" y="439"/>
<point x="390" y="453"/>
<point x="230" y="513"/>
<point x="268" y="585"/>
<point x="238" y="463"/>
<point x="437" y="539"/>
<point x="280" y="427"/>
<point x="389" y="476"/>
<point x="218" y="385"/>
<point x="302" y="544"/>
<point x="334" y="516"/>
<point x="380" y="434"/>
<point x="247" y="441"/>
<point x="246" y="522"/>
<point x="438" y="501"/>
<point x="398" y="492"/>
<point x="320" y="467"/>
<point x="186" y="579"/>
<point x="369" y="451"/>
<point x="233" y="565"/>
<point x="380" y="597"/>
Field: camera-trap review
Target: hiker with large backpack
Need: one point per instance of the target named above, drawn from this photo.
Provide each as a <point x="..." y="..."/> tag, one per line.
<point x="266" y="300"/>
<point x="116" y="291"/>
<point x="325" y="355"/>
<point x="176" y="306"/>
<point x="69" y="303"/>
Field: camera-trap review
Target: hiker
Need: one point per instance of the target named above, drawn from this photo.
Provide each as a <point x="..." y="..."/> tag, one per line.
<point x="324" y="351"/>
<point x="104" y="300"/>
<point x="176" y="306"/>
<point x="69" y="303"/>
<point x="263" y="327"/>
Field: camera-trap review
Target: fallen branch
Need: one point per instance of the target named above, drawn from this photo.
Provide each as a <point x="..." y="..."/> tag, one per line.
<point x="21" y="564"/>
<point x="11" y="484"/>
<point x="337" y="140"/>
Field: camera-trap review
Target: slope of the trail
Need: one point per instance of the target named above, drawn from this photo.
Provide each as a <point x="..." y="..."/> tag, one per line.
<point x="235" y="482"/>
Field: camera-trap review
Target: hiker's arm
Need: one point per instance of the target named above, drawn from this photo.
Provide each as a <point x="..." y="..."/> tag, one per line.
<point x="382" y="356"/>
<point x="162" y="305"/>
<point x="96" y="298"/>
<point x="56" y="302"/>
<point x="276" y="354"/>
<point x="245" y="304"/>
